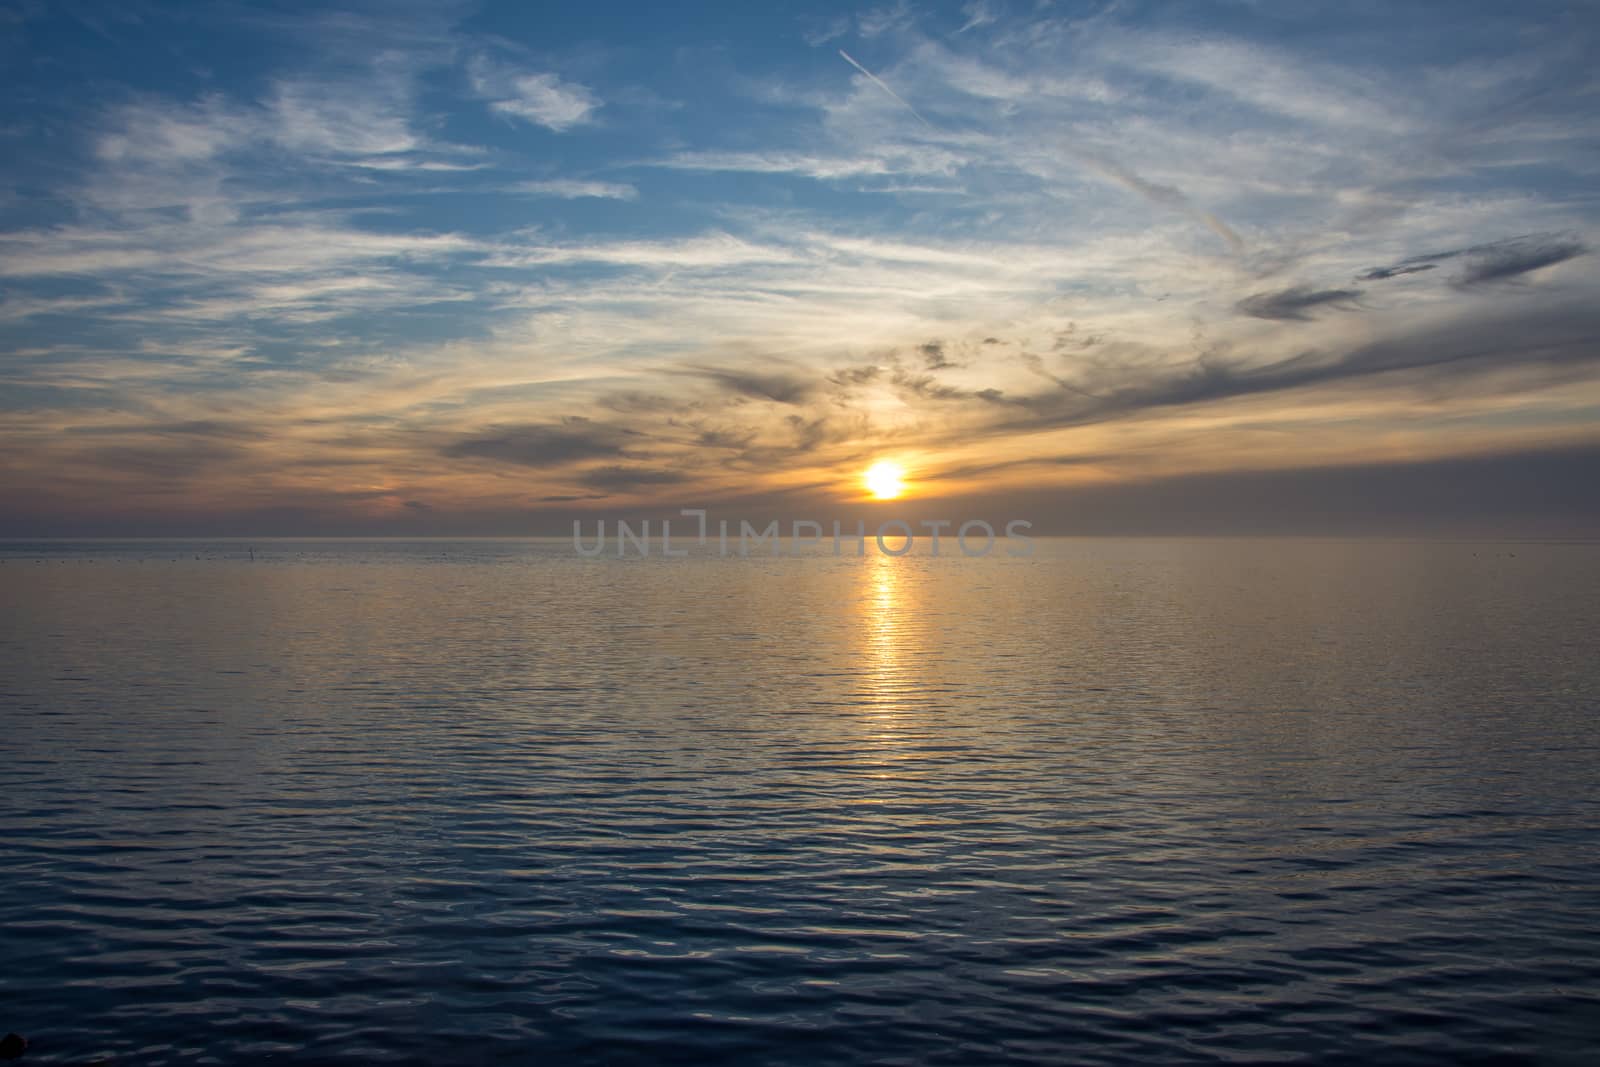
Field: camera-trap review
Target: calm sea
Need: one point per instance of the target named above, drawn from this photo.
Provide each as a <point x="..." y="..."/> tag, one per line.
<point x="1131" y="802"/>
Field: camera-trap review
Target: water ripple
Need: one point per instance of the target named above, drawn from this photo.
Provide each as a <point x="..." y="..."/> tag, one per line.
<point x="1121" y="803"/>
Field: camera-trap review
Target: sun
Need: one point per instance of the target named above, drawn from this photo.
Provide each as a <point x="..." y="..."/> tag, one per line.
<point x="885" y="480"/>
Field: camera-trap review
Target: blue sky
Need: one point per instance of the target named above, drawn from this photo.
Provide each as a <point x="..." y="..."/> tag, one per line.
<point x="460" y="266"/>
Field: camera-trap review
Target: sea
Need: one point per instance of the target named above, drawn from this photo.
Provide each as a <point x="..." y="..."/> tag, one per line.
<point x="1139" y="801"/>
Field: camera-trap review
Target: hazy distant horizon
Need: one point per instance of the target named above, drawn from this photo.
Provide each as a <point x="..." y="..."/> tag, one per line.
<point x="1547" y="494"/>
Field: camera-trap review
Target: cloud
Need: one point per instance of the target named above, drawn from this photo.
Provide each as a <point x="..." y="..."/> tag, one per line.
<point x="872" y="161"/>
<point x="405" y="162"/>
<point x="778" y="387"/>
<point x="544" y="445"/>
<point x="1295" y="303"/>
<point x="624" y="478"/>
<point x="542" y="98"/>
<point x="873" y="21"/>
<point x="933" y="356"/>
<point x="13" y="309"/>
<point x="1510" y="259"/>
<point x="1545" y="339"/>
<point x="175" y="133"/>
<point x="738" y="440"/>
<point x="1168" y="196"/>
<point x="710" y="251"/>
<point x="179" y="462"/>
<point x="979" y="13"/>
<point x="1404" y="267"/>
<point x="567" y="189"/>
<point x="1492" y="262"/>
<point x="1537" y="492"/>
<point x="856" y="376"/>
<point x="203" y="252"/>
<point x="371" y="119"/>
<point x="1275" y="81"/>
<point x="820" y="31"/>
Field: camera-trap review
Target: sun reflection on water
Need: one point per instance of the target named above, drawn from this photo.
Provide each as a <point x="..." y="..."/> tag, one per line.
<point x="888" y="681"/>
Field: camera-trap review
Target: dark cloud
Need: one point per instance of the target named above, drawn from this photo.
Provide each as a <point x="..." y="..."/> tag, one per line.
<point x="810" y="432"/>
<point x="419" y="506"/>
<point x="630" y="477"/>
<point x="781" y="387"/>
<point x="933" y="356"/>
<point x="546" y="445"/>
<point x="1042" y="462"/>
<point x="192" y="428"/>
<point x="1511" y="259"/>
<point x="924" y="386"/>
<point x="1070" y="339"/>
<point x="1524" y="493"/>
<point x="1294" y="303"/>
<point x="1035" y="365"/>
<point x="209" y="428"/>
<point x="1378" y="274"/>
<point x="164" y="463"/>
<point x="1547" y="336"/>
<point x="822" y="430"/>
<point x="632" y="402"/>
<point x="1492" y="262"/>
<point x="725" y="438"/>
<point x="849" y="376"/>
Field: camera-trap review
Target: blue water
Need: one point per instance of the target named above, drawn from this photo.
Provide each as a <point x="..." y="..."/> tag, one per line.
<point x="1119" y="802"/>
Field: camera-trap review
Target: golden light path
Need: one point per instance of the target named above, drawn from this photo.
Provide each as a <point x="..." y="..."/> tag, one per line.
<point x="885" y="480"/>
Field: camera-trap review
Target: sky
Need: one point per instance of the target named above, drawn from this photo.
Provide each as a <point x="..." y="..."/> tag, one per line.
<point x="1111" y="267"/>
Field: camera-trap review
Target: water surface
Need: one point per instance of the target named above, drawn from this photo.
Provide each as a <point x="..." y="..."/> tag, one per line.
<point x="1120" y="802"/>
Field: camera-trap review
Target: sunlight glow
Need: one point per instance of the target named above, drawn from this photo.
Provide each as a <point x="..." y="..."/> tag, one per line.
<point x="885" y="480"/>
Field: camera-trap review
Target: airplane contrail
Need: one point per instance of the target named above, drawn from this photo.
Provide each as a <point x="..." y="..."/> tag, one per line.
<point x="1168" y="195"/>
<point x="879" y="82"/>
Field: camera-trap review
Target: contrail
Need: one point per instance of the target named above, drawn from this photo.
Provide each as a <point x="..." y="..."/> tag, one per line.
<point x="1169" y="195"/>
<point x="880" y="84"/>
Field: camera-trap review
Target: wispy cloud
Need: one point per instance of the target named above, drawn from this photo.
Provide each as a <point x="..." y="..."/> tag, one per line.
<point x="979" y="13"/>
<point x="1491" y="262"/>
<point x="1295" y="303"/>
<point x="573" y="189"/>
<point x="1167" y="196"/>
<point x="541" y="98"/>
<point x="625" y="478"/>
<point x="879" y="162"/>
<point x="711" y="251"/>
<point x="549" y="445"/>
<point x="1512" y="259"/>
<point x="361" y="119"/>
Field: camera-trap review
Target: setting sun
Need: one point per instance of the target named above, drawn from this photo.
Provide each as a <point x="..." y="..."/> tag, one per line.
<point x="885" y="480"/>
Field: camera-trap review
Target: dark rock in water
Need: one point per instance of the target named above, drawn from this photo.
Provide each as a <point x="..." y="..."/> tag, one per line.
<point x="12" y="1046"/>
